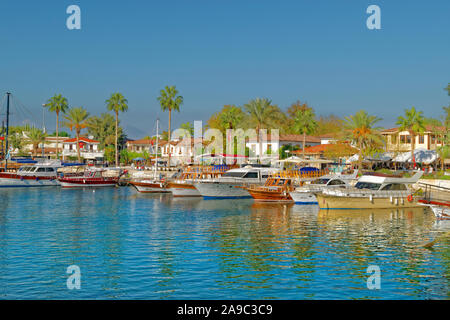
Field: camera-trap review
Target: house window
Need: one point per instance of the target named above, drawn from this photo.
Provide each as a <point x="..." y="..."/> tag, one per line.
<point x="433" y="139"/>
<point x="405" y="139"/>
<point x="421" y="139"/>
<point x="269" y="149"/>
<point x="393" y="139"/>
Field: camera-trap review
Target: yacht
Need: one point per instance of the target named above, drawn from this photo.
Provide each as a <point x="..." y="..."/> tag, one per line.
<point x="306" y="194"/>
<point x="40" y="174"/>
<point x="233" y="182"/>
<point x="372" y="191"/>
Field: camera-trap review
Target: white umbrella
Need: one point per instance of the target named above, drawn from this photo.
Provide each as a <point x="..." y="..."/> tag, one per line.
<point x="421" y="155"/>
<point x="353" y="158"/>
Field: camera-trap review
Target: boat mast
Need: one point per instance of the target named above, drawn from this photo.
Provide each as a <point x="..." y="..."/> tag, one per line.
<point x="7" y="129"/>
<point x="156" y="158"/>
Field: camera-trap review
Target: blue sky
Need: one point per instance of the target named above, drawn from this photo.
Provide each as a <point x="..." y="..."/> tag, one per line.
<point x="227" y="52"/>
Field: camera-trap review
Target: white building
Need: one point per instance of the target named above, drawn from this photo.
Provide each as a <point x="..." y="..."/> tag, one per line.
<point x="271" y="147"/>
<point x="89" y="149"/>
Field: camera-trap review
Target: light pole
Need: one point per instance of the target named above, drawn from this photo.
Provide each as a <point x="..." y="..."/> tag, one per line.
<point x="43" y="129"/>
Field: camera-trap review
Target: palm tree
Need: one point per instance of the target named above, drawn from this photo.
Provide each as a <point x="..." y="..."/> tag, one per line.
<point x="170" y="100"/>
<point x="359" y="128"/>
<point x="230" y="117"/>
<point x="262" y="115"/>
<point x="305" y="123"/>
<point x="36" y="137"/>
<point x="116" y="103"/>
<point x="57" y="104"/>
<point x="414" y="123"/>
<point x="78" y="119"/>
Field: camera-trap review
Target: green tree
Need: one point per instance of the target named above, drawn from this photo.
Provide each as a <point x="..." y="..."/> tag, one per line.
<point x="360" y="129"/>
<point x="414" y="123"/>
<point x="36" y="137"/>
<point x="103" y="129"/>
<point x="117" y="103"/>
<point x="305" y="123"/>
<point x="261" y="114"/>
<point x="170" y="100"/>
<point x="231" y="117"/>
<point x="77" y="119"/>
<point x="189" y="127"/>
<point x="57" y="104"/>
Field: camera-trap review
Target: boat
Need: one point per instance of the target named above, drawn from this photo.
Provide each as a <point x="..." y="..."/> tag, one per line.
<point x="305" y="194"/>
<point x="183" y="188"/>
<point x="229" y="185"/>
<point x="155" y="184"/>
<point x="150" y="186"/>
<point x="274" y="190"/>
<point x="372" y="191"/>
<point x="92" y="177"/>
<point x="40" y="174"/>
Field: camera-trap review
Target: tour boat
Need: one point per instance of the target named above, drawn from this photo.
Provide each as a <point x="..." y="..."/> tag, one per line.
<point x="90" y="178"/>
<point x="230" y="184"/>
<point x="41" y="174"/>
<point x="305" y="194"/>
<point x="150" y="186"/>
<point x="275" y="189"/>
<point x="372" y="191"/>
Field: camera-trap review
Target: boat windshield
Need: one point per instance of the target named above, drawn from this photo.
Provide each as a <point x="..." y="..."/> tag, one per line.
<point x="320" y="181"/>
<point x="367" y="185"/>
<point x="233" y="174"/>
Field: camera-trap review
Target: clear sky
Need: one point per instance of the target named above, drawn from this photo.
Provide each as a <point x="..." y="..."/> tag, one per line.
<point x="227" y="52"/>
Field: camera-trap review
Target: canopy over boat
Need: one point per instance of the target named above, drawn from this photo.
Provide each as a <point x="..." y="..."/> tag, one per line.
<point x="420" y="155"/>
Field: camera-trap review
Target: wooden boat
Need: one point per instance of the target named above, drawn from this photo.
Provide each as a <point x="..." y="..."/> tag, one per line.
<point x="90" y="178"/>
<point x="150" y="186"/>
<point x="274" y="189"/>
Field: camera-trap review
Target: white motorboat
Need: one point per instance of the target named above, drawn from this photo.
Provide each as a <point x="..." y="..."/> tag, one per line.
<point x="372" y="191"/>
<point x="305" y="194"/>
<point x="40" y="174"/>
<point x="230" y="184"/>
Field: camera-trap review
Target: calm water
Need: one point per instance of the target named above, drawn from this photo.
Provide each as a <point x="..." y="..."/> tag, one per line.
<point x="135" y="246"/>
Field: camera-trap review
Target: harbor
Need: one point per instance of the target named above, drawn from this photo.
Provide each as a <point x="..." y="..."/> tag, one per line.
<point x="226" y="156"/>
<point x="131" y="245"/>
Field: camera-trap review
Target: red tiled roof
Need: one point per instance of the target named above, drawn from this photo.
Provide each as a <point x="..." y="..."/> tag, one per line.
<point x="82" y="139"/>
<point x="141" y="141"/>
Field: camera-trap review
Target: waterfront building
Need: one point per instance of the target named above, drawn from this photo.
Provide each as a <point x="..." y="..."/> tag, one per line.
<point x="400" y="141"/>
<point x="89" y="149"/>
<point x="271" y="146"/>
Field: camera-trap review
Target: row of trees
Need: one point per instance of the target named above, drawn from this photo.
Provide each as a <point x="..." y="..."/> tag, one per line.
<point x="361" y="128"/>
<point x="104" y="128"/>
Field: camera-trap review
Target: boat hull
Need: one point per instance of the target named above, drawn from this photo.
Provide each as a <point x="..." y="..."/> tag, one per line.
<point x="221" y="190"/>
<point x="183" y="189"/>
<point x="13" y="180"/>
<point x="330" y="202"/>
<point x="304" y="198"/>
<point x="149" y="187"/>
<point x="87" y="183"/>
<point x="270" y="196"/>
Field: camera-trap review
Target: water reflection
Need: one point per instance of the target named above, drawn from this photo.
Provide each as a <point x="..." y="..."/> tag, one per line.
<point x="154" y="246"/>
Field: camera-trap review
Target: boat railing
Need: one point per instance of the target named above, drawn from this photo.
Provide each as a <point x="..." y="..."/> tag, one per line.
<point x="361" y="193"/>
<point x="298" y="175"/>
